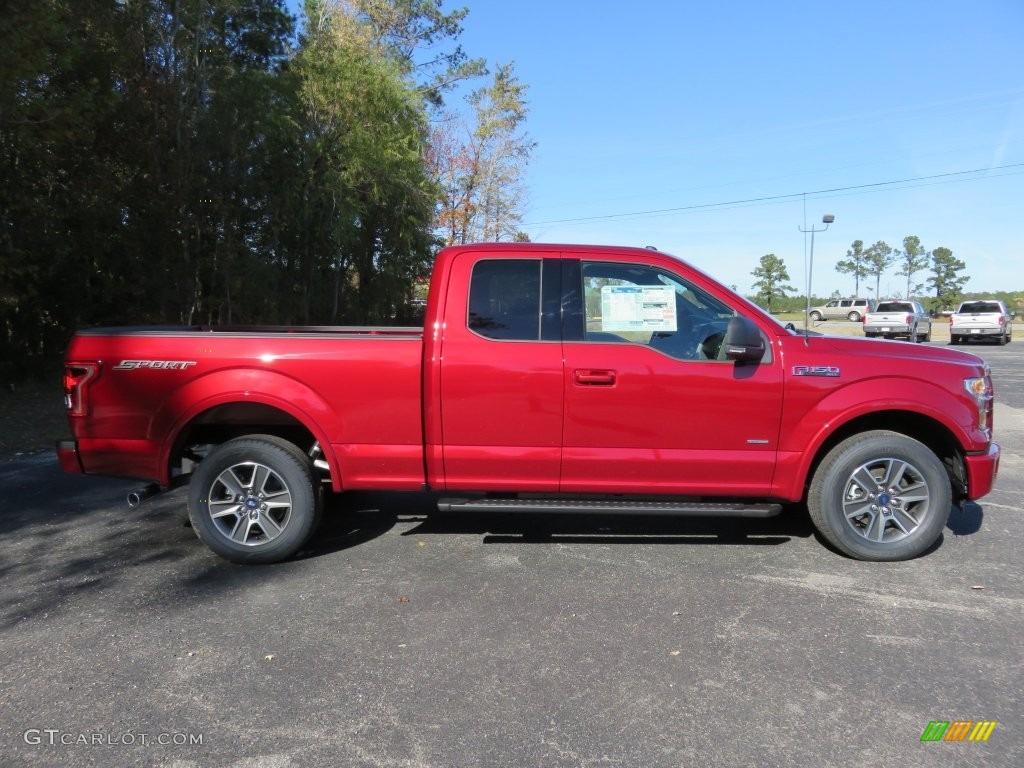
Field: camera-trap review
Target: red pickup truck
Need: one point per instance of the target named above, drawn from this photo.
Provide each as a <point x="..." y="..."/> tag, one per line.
<point x="546" y="378"/>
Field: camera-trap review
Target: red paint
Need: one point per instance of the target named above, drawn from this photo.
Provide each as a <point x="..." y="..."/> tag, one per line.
<point x="456" y="410"/>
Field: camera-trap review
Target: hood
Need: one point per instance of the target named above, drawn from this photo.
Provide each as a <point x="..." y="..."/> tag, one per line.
<point x="849" y="345"/>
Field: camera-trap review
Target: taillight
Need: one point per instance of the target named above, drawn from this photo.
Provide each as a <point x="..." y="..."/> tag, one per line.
<point x="76" y="377"/>
<point x="909" y="320"/>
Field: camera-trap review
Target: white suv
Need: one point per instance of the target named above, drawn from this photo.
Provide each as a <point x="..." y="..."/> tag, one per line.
<point x="851" y="309"/>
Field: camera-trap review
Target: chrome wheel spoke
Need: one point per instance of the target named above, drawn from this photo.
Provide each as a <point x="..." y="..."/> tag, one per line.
<point x="260" y="475"/>
<point x="240" y="532"/>
<point x="863" y="479"/>
<point x="232" y="482"/>
<point x="270" y="527"/>
<point x="894" y="473"/>
<point x="224" y="508"/>
<point x="858" y="509"/>
<point x="914" y="493"/>
<point x="876" y="529"/>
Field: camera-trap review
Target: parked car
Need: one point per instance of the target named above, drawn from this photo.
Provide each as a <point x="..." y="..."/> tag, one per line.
<point x="898" y="319"/>
<point x="852" y="309"/>
<point x="984" y="319"/>
<point x="545" y="379"/>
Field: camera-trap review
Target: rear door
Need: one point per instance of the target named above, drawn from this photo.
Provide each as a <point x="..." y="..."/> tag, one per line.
<point x="501" y="388"/>
<point x="651" y="406"/>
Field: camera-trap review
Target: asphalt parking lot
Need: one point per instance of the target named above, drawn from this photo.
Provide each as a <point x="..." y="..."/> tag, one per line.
<point x="412" y="640"/>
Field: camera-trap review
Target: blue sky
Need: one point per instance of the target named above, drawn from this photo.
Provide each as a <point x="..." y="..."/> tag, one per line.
<point x="655" y="105"/>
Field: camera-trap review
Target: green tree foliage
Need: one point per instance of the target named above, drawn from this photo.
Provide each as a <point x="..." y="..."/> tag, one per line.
<point x="912" y="259"/>
<point x="854" y="264"/>
<point x="946" y="279"/>
<point x="410" y="33"/>
<point x="877" y="259"/>
<point x="481" y="169"/>
<point x="771" y="277"/>
<point x="192" y="161"/>
<point x="367" y="203"/>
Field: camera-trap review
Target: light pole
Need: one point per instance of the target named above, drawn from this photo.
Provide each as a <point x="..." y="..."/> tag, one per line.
<point x="827" y="219"/>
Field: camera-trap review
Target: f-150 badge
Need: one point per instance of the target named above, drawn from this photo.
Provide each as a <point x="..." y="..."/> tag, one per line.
<point x="815" y="370"/>
<point x="157" y="365"/>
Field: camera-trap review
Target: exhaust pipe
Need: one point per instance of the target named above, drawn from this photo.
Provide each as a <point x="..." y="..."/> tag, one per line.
<point x="139" y="495"/>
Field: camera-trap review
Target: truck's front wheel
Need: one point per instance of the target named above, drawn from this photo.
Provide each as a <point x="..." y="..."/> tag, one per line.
<point x="254" y="500"/>
<point x="880" y="496"/>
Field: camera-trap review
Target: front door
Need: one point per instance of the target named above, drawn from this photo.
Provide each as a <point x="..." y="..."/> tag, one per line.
<point x="651" y="405"/>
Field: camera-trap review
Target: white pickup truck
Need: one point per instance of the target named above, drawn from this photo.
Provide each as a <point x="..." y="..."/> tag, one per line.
<point x="893" y="319"/>
<point x="985" y="319"/>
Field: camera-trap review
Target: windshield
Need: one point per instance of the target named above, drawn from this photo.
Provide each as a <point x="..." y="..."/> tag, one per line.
<point x="894" y="306"/>
<point x="980" y="306"/>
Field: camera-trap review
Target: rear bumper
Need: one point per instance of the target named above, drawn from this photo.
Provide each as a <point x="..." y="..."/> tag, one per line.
<point x="114" y="458"/>
<point x="982" y="469"/>
<point x="891" y="329"/>
<point x="67" y="456"/>
<point x="986" y="331"/>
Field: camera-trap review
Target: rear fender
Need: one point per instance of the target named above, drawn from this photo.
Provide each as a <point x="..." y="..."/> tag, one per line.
<point x="246" y="386"/>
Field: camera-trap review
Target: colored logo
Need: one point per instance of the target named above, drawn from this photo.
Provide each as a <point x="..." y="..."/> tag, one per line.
<point x="958" y="730"/>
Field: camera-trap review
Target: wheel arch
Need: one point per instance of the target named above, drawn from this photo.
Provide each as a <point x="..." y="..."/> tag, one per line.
<point x="212" y="410"/>
<point x="931" y="432"/>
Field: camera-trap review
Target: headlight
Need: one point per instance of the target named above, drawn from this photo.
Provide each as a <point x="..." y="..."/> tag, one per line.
<point x="980" y="390"/>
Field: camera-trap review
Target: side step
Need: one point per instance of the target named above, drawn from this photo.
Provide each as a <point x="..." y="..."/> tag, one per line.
<point x="610" y="507"/>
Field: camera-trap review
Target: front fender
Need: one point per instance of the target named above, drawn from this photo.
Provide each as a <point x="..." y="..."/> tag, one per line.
<point x="806" y="430"/>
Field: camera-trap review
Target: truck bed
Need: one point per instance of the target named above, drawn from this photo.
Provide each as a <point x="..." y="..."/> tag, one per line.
<point x="360" y="385"/>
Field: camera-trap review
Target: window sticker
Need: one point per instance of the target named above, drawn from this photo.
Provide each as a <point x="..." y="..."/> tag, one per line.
<point x="638" y="308"/>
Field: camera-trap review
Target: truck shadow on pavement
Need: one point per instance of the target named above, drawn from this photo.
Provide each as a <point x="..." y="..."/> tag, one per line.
<point x="965" y="519"/>
<point x="355" y="518"/>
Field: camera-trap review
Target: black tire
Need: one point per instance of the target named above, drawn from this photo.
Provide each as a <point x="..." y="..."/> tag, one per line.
<point x="853" y="317"/>
<point x="254" y="500"/>
<point x="1003" y="339"/>
<point x="897" y="523"/>
<point x="928" y="336"/>
<point x="954" y="340"/>
<point x="815" y="317"/>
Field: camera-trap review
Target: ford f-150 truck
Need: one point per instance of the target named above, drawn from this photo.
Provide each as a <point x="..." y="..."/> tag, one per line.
<point x="987" y="319"/>
<point x="546" y="379"/>
<point x="892" y="319"/>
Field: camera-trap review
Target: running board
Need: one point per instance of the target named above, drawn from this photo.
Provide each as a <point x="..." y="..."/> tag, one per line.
<point x="614" y="507"/>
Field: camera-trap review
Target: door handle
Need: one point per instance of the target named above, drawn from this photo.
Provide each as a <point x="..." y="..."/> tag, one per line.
<point x="590" y="377"/>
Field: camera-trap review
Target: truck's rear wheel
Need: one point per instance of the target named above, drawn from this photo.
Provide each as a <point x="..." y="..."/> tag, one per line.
<point x="880" y="496"/>
<point x="254" y="500"/>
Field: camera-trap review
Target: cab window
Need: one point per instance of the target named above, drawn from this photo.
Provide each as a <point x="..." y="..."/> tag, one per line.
<point x="638" y="304"/>
<point x="505" y="299"/>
